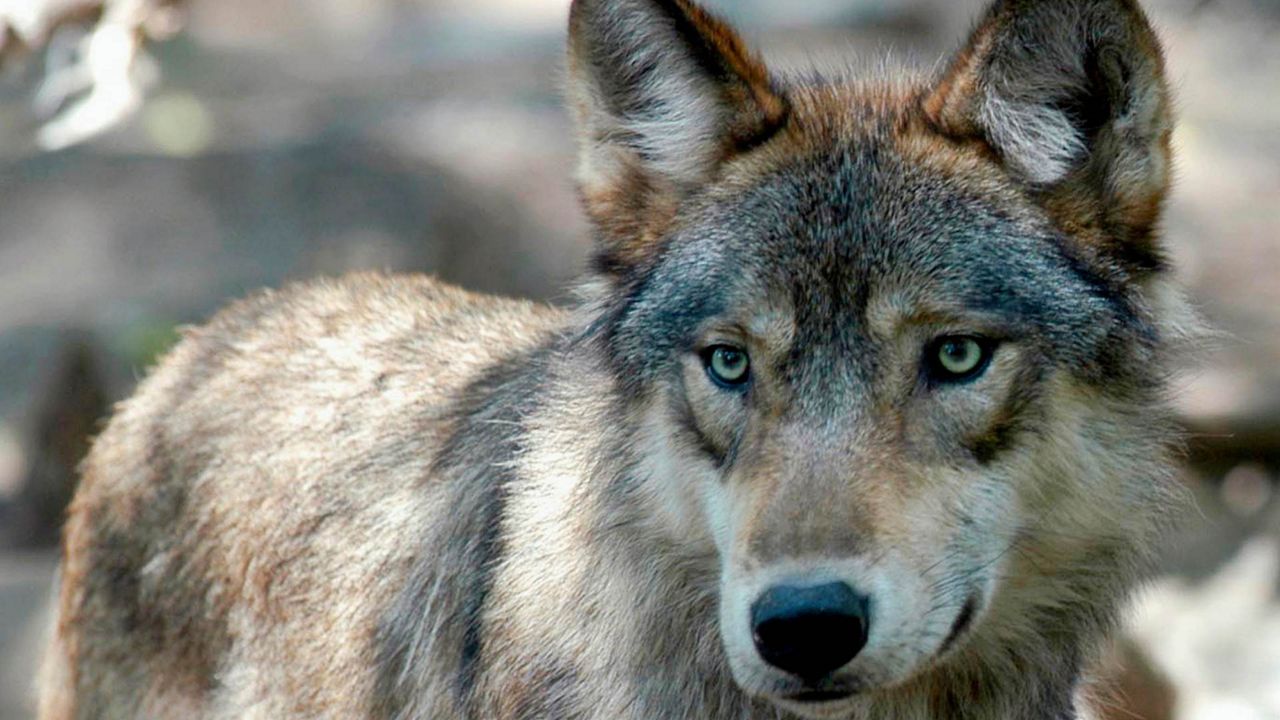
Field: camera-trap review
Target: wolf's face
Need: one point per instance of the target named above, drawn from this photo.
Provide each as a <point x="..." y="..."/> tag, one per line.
<point x="882" y="335"/>
<point x="853" y="382"/>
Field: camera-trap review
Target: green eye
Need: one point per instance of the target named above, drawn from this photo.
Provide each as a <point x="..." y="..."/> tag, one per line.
<point x="728" y="366"/>
<point x="956" y="358"/>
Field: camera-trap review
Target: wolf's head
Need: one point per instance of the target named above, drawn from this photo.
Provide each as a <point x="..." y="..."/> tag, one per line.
<point x="898" y="346"/>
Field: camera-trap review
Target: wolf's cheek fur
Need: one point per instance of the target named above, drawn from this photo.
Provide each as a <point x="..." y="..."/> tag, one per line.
<point x="975" y="421"/>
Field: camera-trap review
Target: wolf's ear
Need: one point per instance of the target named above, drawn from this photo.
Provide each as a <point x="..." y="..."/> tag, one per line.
<point x="664" y="93"/>
<point x="1071" y="96"/>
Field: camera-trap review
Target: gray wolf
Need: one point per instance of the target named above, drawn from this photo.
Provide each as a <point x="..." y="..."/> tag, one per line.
<point x="860" y="414"/>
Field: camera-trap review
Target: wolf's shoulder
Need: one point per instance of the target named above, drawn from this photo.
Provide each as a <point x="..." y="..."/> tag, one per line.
<point x="291" y="436"/>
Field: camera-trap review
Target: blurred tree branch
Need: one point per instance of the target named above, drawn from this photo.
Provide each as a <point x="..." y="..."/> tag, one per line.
<point x="95" y="68"/>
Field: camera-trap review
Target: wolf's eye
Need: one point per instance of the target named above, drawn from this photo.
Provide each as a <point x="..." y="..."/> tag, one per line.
<point x="957" y="358"/>
<point x="728" y="366"/>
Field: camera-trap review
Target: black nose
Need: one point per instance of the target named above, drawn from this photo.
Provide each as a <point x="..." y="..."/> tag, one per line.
<point x="810" y="631"/>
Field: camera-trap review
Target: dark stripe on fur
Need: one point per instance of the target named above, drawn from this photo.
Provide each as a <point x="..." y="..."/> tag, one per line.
<point x="184" y="625"/>
<point x="1016" y="416"/>
<point x="688" y="421"/>
<point x="439" y="603"/>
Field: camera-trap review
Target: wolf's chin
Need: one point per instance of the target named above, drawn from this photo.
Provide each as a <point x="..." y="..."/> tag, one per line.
<point x="820" y="709"/>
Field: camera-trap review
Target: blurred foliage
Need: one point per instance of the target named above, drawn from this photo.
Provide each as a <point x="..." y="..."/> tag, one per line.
<point x="144" y="342"/>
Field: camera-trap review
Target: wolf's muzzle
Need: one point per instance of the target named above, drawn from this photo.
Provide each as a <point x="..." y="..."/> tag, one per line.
<point x="810" y="632"/>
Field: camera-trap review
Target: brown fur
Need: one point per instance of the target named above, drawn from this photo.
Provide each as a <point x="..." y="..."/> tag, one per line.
<point x="148" y="617"/>
<point x="387" y="498"/>
<point x="1112" y="203"/>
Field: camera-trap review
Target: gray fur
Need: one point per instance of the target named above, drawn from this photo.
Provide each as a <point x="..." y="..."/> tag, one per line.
<point x="383" y="497"/>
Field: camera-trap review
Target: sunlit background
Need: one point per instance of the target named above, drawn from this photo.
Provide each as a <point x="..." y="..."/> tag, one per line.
<point x="159" y="157"/>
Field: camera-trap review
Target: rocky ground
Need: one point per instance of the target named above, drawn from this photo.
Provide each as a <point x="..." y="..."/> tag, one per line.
<point x="291" y="138"/>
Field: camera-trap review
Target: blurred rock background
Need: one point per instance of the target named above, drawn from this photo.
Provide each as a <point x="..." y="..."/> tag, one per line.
<point x="261" y="141"/>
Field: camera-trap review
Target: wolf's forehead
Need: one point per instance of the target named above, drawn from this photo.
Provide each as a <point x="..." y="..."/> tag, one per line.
<point x="834" y="238"/>
<point x="862" y="232"/>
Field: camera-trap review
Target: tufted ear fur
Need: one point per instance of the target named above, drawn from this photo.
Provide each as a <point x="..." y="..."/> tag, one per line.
<point x="664" y="93"/>
<point x="1071" y="96"/>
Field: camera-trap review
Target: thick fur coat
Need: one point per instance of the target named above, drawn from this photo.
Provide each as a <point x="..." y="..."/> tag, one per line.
<point x="906" y="339"/>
